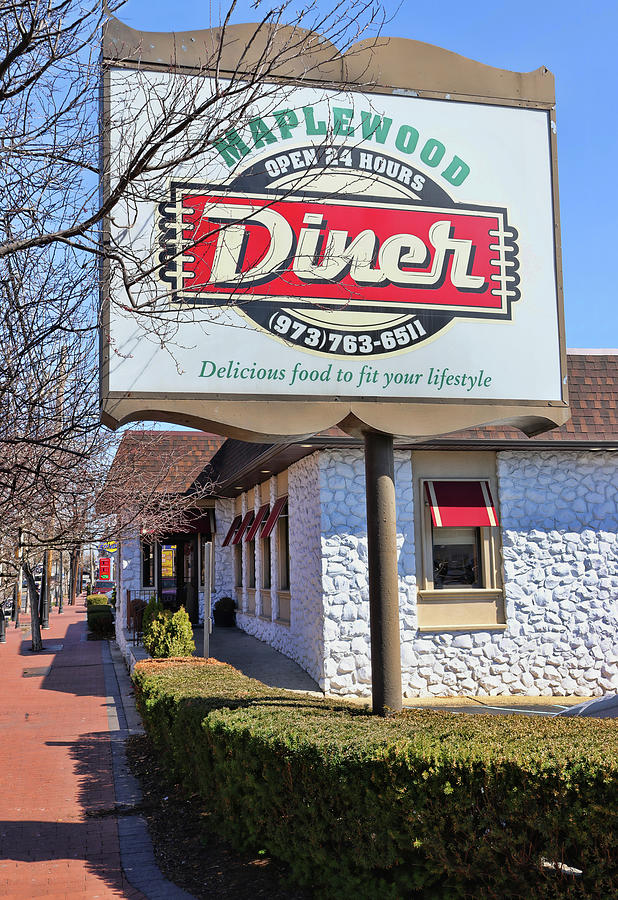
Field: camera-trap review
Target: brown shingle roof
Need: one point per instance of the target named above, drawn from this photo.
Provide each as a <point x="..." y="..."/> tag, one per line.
<point x="593" y="398"/>
<point x="172" y="459"/>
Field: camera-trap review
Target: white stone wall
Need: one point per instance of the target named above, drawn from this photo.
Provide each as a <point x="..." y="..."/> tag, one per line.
<point x="224" y="556"/>
<point x="559" y="522"/>
<point x="344" y="568"/>
<point x="129" y="577"/>
<point x="559" y="517"/>
<point x="301" y="640"/>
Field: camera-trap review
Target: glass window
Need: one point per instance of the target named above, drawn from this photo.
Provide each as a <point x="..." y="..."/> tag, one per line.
<point x="457" y="558"/>
<point x="148" y="564"/>
<point x="283" y="546"/>
<point x="266" y="563"/>
<point x="238" y="565"/>
<point x="251" y="564"/>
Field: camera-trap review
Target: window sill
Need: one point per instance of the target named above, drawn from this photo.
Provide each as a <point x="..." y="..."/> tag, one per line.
<point x="285" y="593"/>
<point x="466" y="595"/>
<point x="426" y="629"/>
<point x="284" y="622"/>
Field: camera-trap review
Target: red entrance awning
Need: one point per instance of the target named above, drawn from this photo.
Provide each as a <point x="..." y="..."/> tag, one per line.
<point x="259" y="518"/>
<point x="233" y="527"/>
<point x="274" y="515"/>
<point x="461" y="503"/>
<point x="243" y="527"/>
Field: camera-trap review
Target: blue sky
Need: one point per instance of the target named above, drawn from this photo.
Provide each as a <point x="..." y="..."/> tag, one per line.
<point x="576" y="42"/>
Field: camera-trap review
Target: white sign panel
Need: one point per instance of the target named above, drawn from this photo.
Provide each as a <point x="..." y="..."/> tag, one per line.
<point x="342" y="245"/>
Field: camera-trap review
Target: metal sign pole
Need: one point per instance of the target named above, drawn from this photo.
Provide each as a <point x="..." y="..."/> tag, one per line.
<point x="207" y="596"/>
<point x="383" y="577"/>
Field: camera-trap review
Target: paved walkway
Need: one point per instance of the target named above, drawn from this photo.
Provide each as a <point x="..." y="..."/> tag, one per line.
<point x="255" y="658"/>
<point x="64" y="775"/>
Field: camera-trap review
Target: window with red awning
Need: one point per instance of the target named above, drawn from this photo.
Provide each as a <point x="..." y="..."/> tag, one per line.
<point x="243" y="527"/>
<point x="271" y="521"/>
<point x="461" y="503"/>
<point x="259" y="518"/>
<point x="232" y="530"/>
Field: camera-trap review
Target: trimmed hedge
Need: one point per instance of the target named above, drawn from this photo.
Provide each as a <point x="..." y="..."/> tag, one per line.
<point x="100" y="619"/>
<point x="425" y="804"/>
<point x="97" y="600"/>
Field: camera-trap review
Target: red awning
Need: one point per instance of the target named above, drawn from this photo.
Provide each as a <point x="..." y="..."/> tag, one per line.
<point x="233" y="527"/>
<point x="259" y="518"/>
<point x="274" y="515"/>
<point x="243" y="526"/>
<point x="461" y="503"/>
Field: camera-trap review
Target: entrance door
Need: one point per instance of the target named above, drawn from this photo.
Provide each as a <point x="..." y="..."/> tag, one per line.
<point x="168" y="575"/>
<point x="178" y="577"/>
<point x="187" y="590"/>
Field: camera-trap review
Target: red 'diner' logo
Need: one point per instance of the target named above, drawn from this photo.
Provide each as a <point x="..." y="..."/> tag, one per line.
<point x="304" y="267"/>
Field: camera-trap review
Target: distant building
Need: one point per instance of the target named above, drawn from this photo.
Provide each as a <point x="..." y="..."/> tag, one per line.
<point x="508" y="551"/>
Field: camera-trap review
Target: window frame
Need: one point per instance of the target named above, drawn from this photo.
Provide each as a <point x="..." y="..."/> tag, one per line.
<point x="462" y="608"/>
<point x="489" y="543"/>
<point x="152" y="563"/>
<point x="283" y="559"/>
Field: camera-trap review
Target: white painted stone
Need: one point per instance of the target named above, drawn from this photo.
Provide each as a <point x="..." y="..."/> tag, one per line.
<point x="560" y="570"/>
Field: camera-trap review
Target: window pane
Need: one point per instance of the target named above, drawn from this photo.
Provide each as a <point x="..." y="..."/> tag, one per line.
<point x="168" y="571"/>
<point x="457" y="558"/>
<point x="251" y="564"/>
<point x="147" y="565"/>
<point x="266" y="563"/>
<point x="238" y="564"/>
<point x="284" y="551"/>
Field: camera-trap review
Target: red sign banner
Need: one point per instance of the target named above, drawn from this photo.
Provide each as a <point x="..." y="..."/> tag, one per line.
<point x="347" y="253"/>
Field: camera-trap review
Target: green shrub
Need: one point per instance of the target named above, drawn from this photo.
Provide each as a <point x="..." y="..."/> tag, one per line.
<point x="169" y="634"/>
<point x="425" y="804"/>
<point x="100" y="619"/>
<point x="153" y="609"/>
<point x="96" y="600"/>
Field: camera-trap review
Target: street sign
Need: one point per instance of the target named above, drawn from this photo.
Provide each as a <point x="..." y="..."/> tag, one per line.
<point x="105" y="569"/>
<point x="108" y="547"/>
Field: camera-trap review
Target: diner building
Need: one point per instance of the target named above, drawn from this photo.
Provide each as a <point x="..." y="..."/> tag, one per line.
<point x="508" y="551"/>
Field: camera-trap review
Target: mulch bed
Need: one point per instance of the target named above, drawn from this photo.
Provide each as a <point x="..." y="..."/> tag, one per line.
<point x="187" y="850"/>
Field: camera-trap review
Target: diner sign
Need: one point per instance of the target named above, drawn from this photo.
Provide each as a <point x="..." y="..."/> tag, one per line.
<point x="340" y="246"/>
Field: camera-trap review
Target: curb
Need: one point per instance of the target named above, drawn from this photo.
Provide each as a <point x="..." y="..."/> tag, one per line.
<point x="136" y="853"/>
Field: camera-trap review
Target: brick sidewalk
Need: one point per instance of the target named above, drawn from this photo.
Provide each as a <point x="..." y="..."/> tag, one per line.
<point x="56" y="764"/>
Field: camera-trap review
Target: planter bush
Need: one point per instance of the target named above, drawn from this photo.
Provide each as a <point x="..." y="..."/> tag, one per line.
<point x="152" y="609"/>
<point x="425" y="804"/>
<point x="100" y="619"/>
<point x="168" y="634"/>
<point x="224" y="612"/>
<point x="96" y="600"/>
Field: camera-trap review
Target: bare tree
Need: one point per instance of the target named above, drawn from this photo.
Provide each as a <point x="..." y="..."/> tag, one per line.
<point x="54" y="248"/>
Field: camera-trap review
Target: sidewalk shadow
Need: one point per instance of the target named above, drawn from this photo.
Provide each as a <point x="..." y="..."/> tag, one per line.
<point x="75" y="669"/>
<point x="93" y="840"/>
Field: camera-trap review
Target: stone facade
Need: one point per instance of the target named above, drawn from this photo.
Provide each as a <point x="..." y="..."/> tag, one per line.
<point x="558" y="512"/>
<point x="129" y="577"/>
<point x="301" y="639"/>
<point x="344" y="567"/>
<point x="558" y="515"/>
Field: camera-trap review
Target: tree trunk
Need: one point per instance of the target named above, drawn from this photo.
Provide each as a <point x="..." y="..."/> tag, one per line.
<point x="37" y="643"/>
<point x="74" y="575"/>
